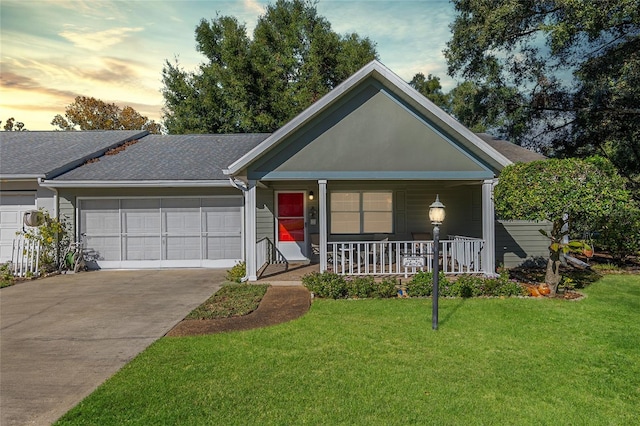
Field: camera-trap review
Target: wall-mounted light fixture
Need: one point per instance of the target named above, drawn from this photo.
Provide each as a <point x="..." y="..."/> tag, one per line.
<point x="310" y="195"/>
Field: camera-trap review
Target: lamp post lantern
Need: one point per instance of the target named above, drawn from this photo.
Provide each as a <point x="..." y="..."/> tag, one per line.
<point x="436" y="216"/>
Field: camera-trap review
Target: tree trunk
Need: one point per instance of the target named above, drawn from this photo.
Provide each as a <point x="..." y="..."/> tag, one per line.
<point x="552" y="277"/>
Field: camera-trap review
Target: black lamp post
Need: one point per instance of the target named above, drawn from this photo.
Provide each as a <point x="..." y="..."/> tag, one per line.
<point x="436" y="215"/>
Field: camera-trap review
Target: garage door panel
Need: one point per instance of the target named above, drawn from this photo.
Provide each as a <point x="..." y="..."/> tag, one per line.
<point x="142" y="222"/>
<point x="165" y="231"/>
<point x="183" y="221"/>
<point x="140" y="216"/>
<point x="12" y="208"/>
<point x="10" y="218"/>
<point x="222" y="222"/>
<point x="101" y="216"/>
<point x="141" y="248"/>
<point x="7" y="234"/>
<point x="224" y="247"/>
<point x="181" y="215"/>
<point x="105" y="248"/>
<point x="182" y="248"/>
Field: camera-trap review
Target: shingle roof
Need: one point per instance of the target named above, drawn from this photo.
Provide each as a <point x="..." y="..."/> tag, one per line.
<point x="46" y="154"/>
<point x="169" y="157"/>
<point x="513" y="152"/>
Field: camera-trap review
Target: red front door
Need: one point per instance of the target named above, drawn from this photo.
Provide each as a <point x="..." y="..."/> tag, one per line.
<point x="290" y="225"/>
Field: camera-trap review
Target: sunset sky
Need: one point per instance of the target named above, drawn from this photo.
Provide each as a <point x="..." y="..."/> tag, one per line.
<point x="52" y="51"/>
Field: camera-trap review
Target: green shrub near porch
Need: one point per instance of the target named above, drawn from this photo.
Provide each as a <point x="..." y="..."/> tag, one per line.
<point x="329" y="285"/>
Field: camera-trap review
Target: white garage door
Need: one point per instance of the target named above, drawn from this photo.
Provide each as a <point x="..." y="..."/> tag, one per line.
<point x="12" y="208"/>
<point x="163" y="232"/>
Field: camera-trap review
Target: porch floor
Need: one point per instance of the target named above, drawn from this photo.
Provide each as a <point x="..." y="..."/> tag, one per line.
<point x="282" y="274"/>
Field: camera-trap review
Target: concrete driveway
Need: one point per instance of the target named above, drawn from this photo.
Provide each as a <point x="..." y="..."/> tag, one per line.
<point x="62" y="336"/>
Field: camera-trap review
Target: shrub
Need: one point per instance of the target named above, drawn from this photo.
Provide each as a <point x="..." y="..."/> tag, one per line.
<point x="619" y="232"/>
<point x="502" y="286"/>
<point x="360" y="287"/>
<point x="6" y="277"/>
<point x="54" y="237"/>
<point x="422" y="284"/>
<point x="237" y="273"/>
<point x="466" y="286"/>
<point x="326" y="285"/>
<point x="387" y="288"/>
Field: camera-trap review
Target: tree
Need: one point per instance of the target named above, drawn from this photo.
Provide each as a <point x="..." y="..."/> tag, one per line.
<point x="430" y="88"/>
<point x="93" y="114"/>
<point x="13" y="126"/>
<point x="565" y="74"/>
<point x="258" y="84"/>
<point x="587" y="191"/>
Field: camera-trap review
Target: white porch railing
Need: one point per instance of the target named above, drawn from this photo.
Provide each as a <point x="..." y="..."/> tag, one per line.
<point x="267" y="253"/>
<point x="25" y="257"/>
<point x="458" y="255"/>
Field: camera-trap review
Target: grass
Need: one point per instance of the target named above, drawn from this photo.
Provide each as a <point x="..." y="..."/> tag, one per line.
<point x="230" y="301"/>
<point x="377" y="362"/>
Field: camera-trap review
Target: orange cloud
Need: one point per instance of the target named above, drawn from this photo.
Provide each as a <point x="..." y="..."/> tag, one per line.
<point x="10" y="80"/>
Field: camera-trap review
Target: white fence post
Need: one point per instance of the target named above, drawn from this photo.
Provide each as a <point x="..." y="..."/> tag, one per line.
<point x="25" y="257"/>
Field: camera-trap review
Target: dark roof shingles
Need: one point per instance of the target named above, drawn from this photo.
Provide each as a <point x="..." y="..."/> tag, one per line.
<point x="169" y="157"/>
<point x="37" y="153"/>
<point x="513" y="152"/>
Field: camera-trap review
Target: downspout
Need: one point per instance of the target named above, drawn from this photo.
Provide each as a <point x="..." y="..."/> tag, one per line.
<point x="242" y="187"/>
<point x="238" y="185"/>
<point x="56" y="198"/>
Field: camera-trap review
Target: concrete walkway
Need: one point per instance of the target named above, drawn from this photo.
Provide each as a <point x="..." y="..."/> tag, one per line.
<point x="62" y="336"/>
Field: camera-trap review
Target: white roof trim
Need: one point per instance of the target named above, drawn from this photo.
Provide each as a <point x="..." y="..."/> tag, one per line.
<point x="20" y="177"/>
<point x="134" y="183"/>
<point x="373" y="67"/>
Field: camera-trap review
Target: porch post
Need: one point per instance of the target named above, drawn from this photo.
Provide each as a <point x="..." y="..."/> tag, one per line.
<point x="322" y="207"/>
<point x="488" y="228"/>
<point x="250" y="230"/>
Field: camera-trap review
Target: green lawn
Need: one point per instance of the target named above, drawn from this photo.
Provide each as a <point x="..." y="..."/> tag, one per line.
<point x="493" y="361"/>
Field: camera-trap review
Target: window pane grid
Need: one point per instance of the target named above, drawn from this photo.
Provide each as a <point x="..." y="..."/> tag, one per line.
<point x="361" y="212"/>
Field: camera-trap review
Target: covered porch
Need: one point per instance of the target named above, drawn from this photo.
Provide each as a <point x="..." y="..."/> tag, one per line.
<point x="369" y="228"/>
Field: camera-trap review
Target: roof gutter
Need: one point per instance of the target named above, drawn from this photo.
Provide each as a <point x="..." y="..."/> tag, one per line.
<point x="21" y="177"/>
<point x="133" y="183"/>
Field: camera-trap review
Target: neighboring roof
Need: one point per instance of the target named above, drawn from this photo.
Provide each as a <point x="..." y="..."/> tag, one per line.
<point x="47" y="154"/>
<point x="401" y="89"/>
<point x="513" y="152"/>
<point x="167" y="158"/>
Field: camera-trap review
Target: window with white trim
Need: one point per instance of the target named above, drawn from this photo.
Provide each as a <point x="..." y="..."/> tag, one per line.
<point x="361" y="212"/>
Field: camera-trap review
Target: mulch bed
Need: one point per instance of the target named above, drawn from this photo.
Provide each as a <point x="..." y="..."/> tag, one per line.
<point x="280" y="304"/>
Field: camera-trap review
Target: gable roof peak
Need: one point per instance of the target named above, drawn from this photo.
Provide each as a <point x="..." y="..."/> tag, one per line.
<point x="400" y="88"/>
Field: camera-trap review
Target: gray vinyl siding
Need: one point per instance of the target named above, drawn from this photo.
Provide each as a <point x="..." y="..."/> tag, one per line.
<point x="265" y="225"/>
<point x="67" y="208"/>
<point x="463" y="209"/>
<point x="519" y="240"/>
